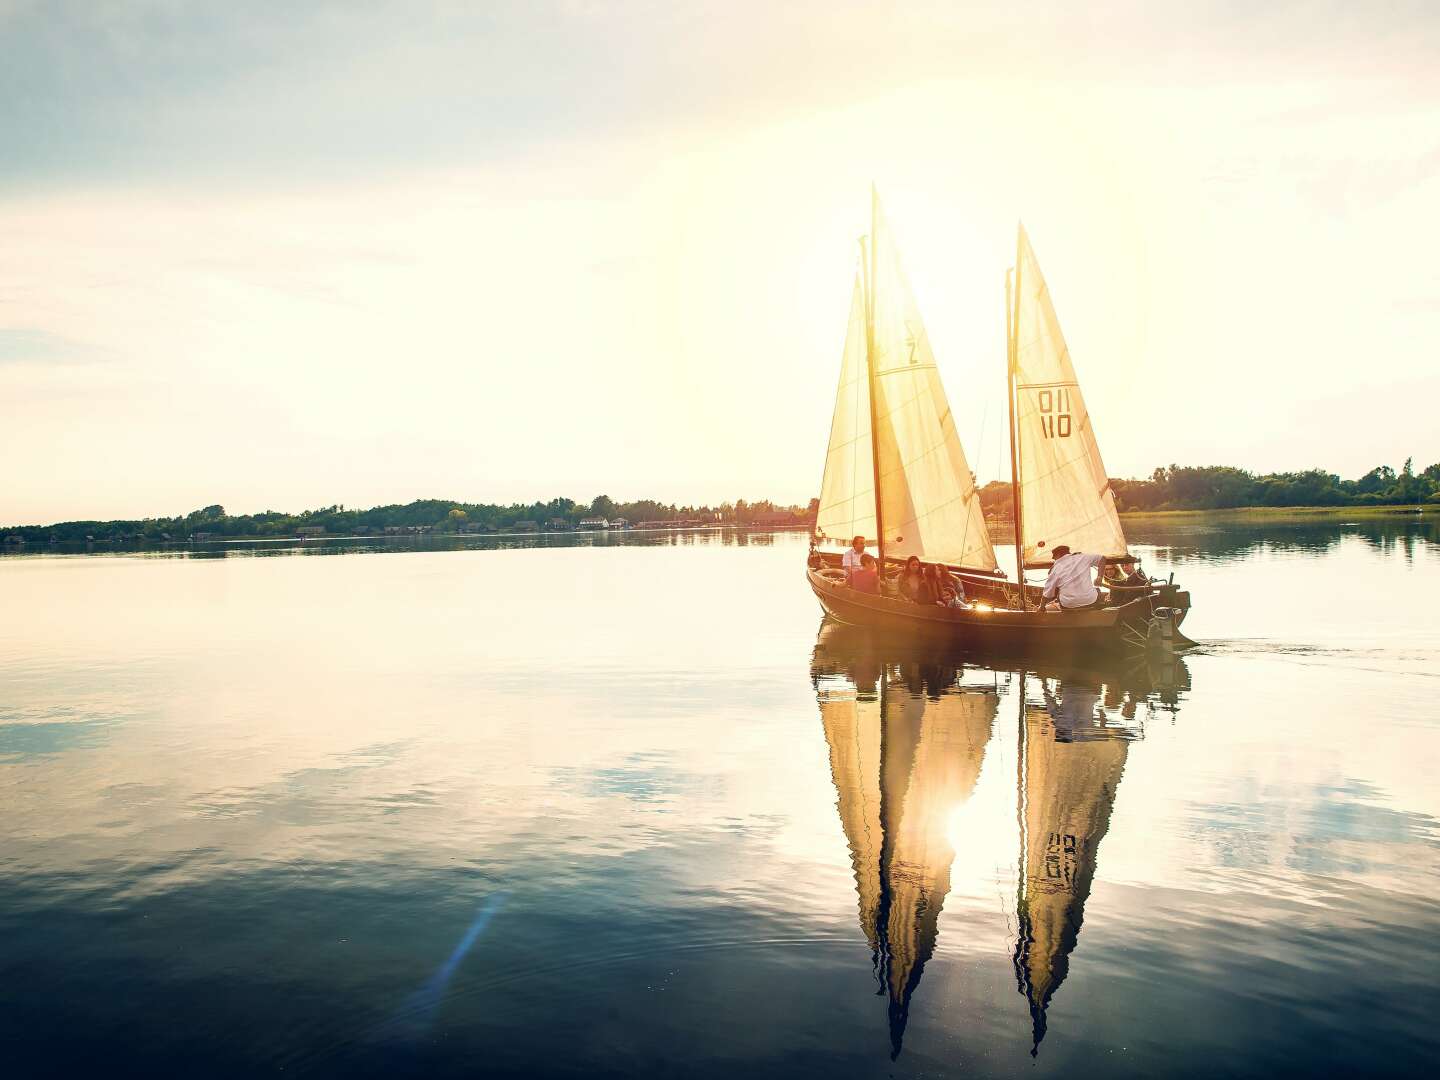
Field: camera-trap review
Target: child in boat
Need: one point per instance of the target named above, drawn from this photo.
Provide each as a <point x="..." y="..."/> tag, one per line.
<point x="948" y="588"/>
<point x="867" y="578"/>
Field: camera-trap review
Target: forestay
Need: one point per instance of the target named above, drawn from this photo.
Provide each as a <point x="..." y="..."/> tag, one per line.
<point x="847" y="492"/>
<point x="929" y="504"/>
<point x="1065" y="495"/>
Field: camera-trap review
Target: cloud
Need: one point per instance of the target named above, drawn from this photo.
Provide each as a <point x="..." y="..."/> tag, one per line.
<point x="361" y="250"/>
<point x="154" y="88"/>
<point x="41" y="347"/>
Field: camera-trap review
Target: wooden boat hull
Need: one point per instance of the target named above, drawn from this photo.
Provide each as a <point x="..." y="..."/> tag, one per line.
<point x="1134" y="626"/>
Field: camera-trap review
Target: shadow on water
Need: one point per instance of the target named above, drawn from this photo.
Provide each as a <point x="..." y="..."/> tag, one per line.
<point x="907" y="734"/>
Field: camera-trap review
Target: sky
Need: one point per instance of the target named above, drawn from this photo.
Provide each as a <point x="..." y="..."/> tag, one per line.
<point x="279" y="256"/>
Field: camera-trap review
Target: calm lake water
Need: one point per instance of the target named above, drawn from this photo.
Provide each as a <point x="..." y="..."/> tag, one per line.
<point x="619" y="808"/>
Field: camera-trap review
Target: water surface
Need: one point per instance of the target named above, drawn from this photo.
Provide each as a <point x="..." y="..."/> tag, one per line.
<point x="623" y="808"/>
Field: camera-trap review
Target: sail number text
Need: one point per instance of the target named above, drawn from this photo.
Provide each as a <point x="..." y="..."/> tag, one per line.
<point x="1055" y="421"/>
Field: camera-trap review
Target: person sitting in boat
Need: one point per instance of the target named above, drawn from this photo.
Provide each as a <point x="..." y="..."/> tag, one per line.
<point x="946" y="586"/>
<point x="1126" y="573"/>
<point x="853" y="556"/>
<point x="939" y="586"/>
<point x="1070" y="582"/>
<point x="867" y="578"/>
<point x="914" y="584"/>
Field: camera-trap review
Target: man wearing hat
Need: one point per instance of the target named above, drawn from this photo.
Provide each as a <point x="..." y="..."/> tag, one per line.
<point x="1070" y="582"/>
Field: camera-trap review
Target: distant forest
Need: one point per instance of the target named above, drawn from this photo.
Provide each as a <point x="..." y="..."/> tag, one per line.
<point x="1216" y="487"/>
<point x="421" y="516"/>
<point x="1176" y="488"/>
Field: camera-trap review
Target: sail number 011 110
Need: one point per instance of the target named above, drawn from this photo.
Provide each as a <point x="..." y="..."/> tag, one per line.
<point x="1055" y="419"/>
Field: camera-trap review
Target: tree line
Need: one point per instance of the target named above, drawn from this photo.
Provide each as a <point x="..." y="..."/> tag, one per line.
<point x="1179" y="487"/>
<point x="1216" y="487"/>
<point x="422" y="515"/>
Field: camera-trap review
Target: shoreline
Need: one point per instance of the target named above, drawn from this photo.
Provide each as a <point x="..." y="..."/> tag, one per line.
<point x="1242" y="513"/>
<point x="1239" y="513"/>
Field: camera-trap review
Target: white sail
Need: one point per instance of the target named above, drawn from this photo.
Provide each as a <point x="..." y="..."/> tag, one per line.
<point x="1065" y="495"/>
<point x="929" y="505"/>
<point x="847" y="492"/>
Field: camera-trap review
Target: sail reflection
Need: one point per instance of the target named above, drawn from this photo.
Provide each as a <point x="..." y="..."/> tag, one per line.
<point x="907" y="739"/>
<point x="1072" y="756"/>
<point x="906" y="746"/>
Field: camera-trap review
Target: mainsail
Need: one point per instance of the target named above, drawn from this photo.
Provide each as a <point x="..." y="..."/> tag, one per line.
<point x="929" y="505"/>
<point x="1070" y="770"/>
<point x="927" y="502"/>
<point x="1065" y="495"/>
<point x="847" y="493"/>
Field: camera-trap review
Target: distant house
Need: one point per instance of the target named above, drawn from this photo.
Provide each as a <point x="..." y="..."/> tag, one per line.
<point x="15" y="538"/>
<point x="619" y="523"/>
<point x="527" y="526"/>
<point x="200" y="537"/>
<point x="594" y="523"/>
<point x="310" y="530"/>
<point x="560" y="525"/>
<point x="394" y="530"/>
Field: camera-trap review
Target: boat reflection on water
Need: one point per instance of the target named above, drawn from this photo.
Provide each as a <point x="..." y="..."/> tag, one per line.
<point x="1072" y="755"/>
<point x="907" y="737"/>
<point x="906" y="746"/>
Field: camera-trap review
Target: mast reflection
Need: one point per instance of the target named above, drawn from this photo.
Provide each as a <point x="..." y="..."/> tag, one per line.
<point x="906" y="745"/>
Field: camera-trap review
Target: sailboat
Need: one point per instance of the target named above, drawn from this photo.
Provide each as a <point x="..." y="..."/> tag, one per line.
<point x="897" y="476"/>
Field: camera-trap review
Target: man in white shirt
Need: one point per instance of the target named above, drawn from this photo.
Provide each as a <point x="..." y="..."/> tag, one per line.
<point x="850" y="560"/>
<point x="1070" y="581"/>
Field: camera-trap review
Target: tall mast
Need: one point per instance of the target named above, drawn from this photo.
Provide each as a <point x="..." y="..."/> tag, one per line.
<point x="1012" y="359"/>
<point x="870" y="371"/>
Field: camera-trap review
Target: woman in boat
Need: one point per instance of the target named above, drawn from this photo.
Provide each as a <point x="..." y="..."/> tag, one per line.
<point x="914" y="584"/>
